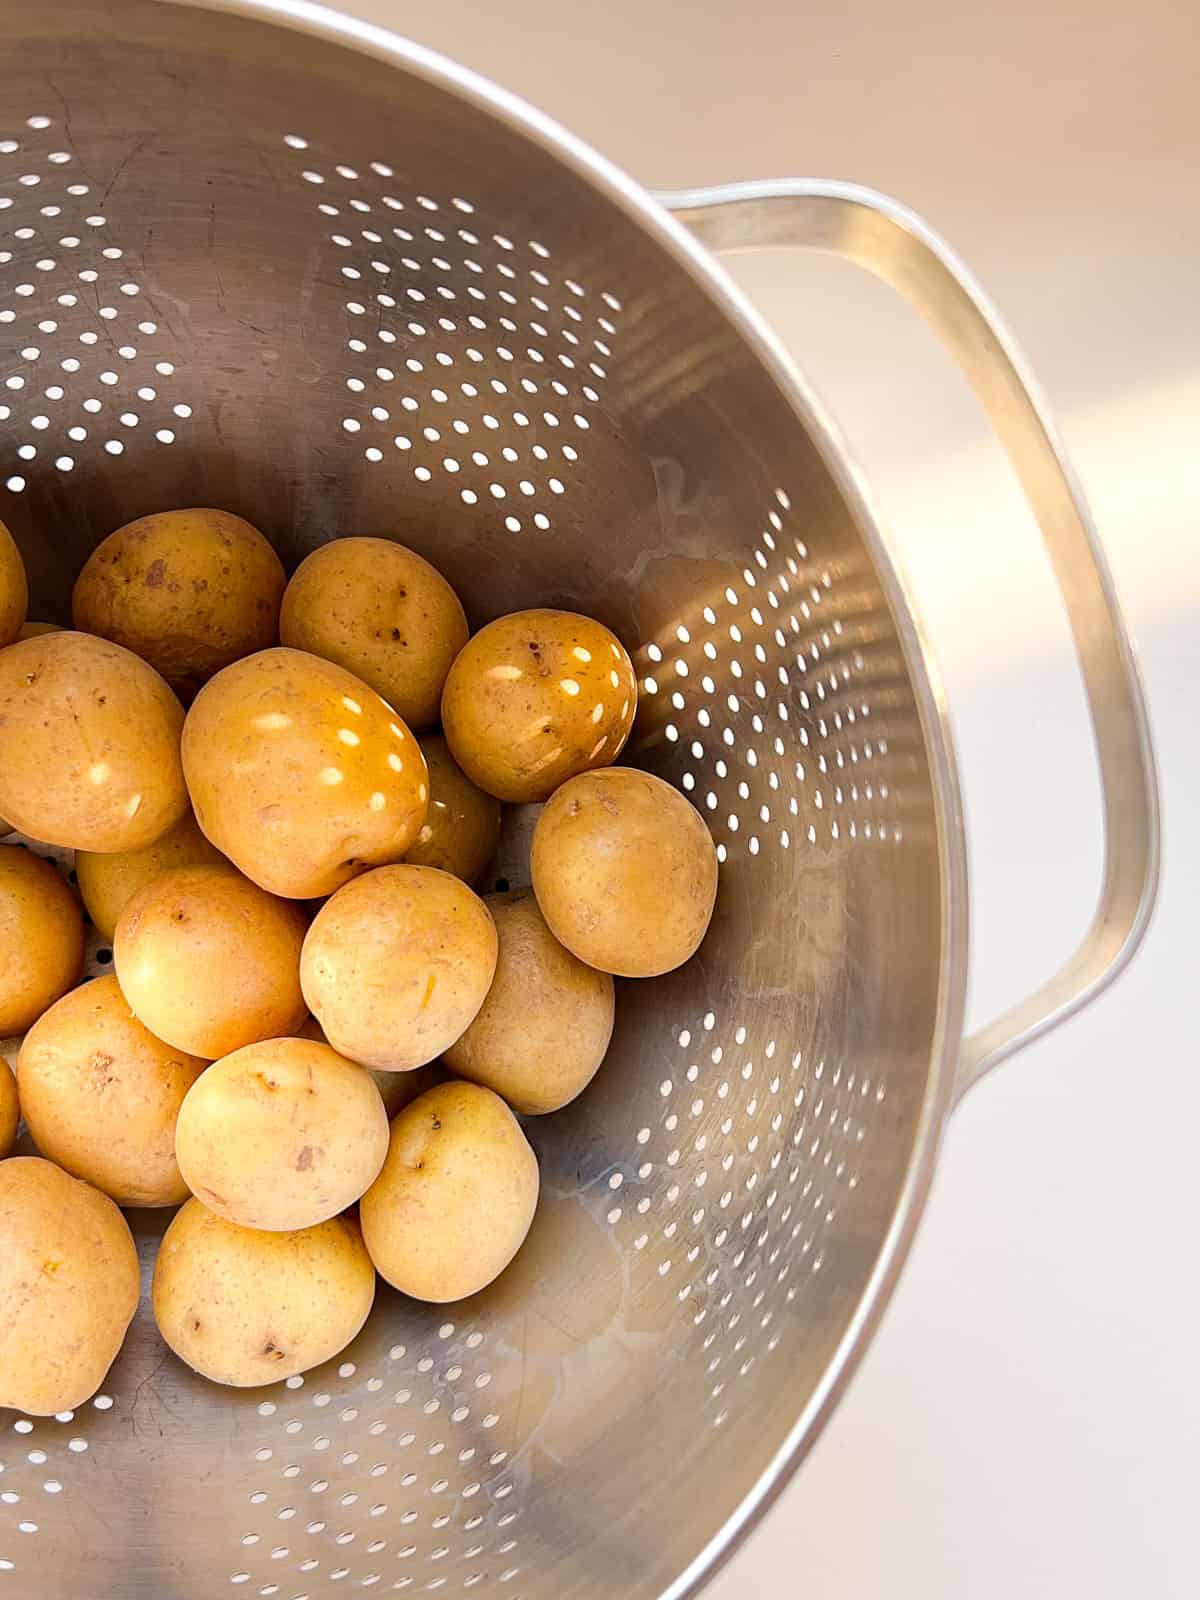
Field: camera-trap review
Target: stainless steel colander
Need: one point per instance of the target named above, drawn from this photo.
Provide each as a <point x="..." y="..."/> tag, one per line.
<point x="270" y="259"/>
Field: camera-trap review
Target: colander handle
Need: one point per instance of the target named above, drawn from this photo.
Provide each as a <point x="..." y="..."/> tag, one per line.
<point x="896" y="246"/>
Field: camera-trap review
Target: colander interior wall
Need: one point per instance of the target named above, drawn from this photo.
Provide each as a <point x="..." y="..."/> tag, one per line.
<point x="247" y="267"/>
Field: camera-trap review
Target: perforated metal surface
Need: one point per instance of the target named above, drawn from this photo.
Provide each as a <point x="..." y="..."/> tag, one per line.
<point x="250" y="268"/>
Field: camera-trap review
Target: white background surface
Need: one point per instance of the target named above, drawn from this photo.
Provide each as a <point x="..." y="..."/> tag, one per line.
<point x="1027" y="1421"/>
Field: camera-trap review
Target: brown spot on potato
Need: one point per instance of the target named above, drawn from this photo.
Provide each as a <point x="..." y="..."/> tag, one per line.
<point x="156" y="574"/>
<point x="305" y="1159"/>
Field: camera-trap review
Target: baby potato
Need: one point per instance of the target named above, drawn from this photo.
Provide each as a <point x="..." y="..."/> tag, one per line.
<point x="35" y="630"/>
<point x="41" y="938"/>
<point x="462" y="826"/>
<point x="301" y="774"/>
<point x="456" y="1196"/>
<point x="68" y="1285"/>
<point x="283" y="1134"/>
<point x="397" y="964"/>
<point x="625" y="872"/>
<point x="101" y="1095"/>
<point x="188" y="591"/>
<point x="108" y="883"/>
<point x="89" y="744"/>
<point x="210" y="962"/>
<point x="10" y="1110"/>
<point x="546" y="1023"/>
<point x="382" y="612"/>
<point x="536" y="697"/>
<point x="14" y="591"/>
<point x="244" y="1307"/>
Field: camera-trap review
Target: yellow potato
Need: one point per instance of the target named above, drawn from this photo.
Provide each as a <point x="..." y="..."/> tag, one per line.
<point x="625" y="872"/>
<point x="68" y="1287"/>
<point x="210" y="962"/>
<point x="101" y="1094"/>
<point x="14" y="591"/>
<point x="89" y="744"/>
<point x="462" y="826"/>
<point x="41" y="938"/>
<point x="397" y="964"/>
<point x="301" y="774"/>
<point x="546" y="1023"/>
<point x="456" y="1196"/>
<point x="382" y="612"/>
<point x="108" y="883"/>
<point x="188" y="591"/>
<point x="282" y="1135"/>
<point x="245" y="1307"/>
<point x="536" y="697"/>
<point x="10" y="1110"/>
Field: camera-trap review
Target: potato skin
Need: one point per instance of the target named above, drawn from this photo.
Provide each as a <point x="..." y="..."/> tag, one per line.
<point x="397" y="964"/>
<point x="188" y="591"/>
<point x="545" y="1026"/>
<point x="101" y="1095"/>
<point x="68" y="1284"/>
<point x="456" y="1196"/>
<point x="210" y="962"/>
<point x="244" y="1307"/>
<point x="41" y="937"/>
<point x="281" y="1135"/>
<point x="35" y="630"/>
<point x="10" y="1109"/>
<point x="625" y="872"/>
<point x="89" y="744"/>
<point x="536" y="697"/>
<point x="462" y="826"/>
<point x="109" y="882"/>
<point x="301" y="774"/>
<point x="396" y="1089"/>
<point x="14" y="590"/>
<point x="382" y="612"/>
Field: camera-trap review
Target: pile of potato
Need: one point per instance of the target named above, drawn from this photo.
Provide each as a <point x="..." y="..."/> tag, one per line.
<point x="285" y="874"/>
